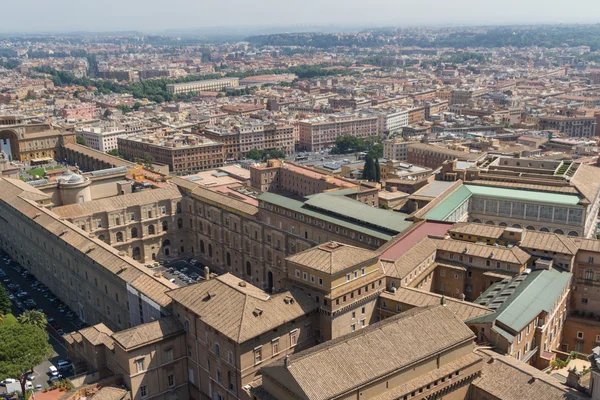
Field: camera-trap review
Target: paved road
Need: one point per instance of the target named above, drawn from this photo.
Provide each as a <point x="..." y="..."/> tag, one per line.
<point x="40" y="376"/>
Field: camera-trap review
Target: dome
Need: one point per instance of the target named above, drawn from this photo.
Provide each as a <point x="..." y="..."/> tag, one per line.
<point x="68" y="173"/>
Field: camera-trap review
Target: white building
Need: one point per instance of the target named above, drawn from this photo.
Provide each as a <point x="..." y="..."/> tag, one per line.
<point x="102" y="138"/>
<point x="392" y="120"/>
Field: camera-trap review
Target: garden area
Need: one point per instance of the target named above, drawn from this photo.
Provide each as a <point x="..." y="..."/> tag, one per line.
<point x="41" y="170"/>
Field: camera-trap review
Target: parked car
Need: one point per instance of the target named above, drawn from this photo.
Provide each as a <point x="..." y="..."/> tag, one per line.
<point x="52" y="370"/>
<point x="7" y="381"/>
<point x="62" y="364"/>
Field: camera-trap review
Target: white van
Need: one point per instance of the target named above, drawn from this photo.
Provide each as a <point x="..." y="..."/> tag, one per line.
<point x="53" y="371"/>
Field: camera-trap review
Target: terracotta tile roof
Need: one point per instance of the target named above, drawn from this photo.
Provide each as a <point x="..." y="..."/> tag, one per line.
<point x="408" y="261"/>
<point x="27" y="191"/>
<point x="332" y="257"/>
<point x="482" y="230"/>
<point x="240" y="310"/>
<point x="340" y="365"/>
<point x="97" y="334"/>
<point x="505" y="378"/>
<point x="531" y="239"/>
<point x="111" y="393"/>
<point x="98" y="155"/>
<point x="549" y="242"/>
<point x="512" y="255"/>
<point x="419" y="298"/>
<point x="148" y="333"/>
<point x="124" y="268"/>
<point x="586" y="181"/>
<point x="432" y="376"/>
<point x="114" y="203"/>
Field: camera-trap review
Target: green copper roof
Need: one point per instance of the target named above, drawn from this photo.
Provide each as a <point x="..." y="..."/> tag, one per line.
<point x="449" y="204"/>
<point x="520" y="305"/>
<point x="345" y="212"/>
<point x="441" y="211"/>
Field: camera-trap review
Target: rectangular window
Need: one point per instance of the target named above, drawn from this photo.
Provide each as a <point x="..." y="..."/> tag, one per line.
<point x="348" y="277"/>
<point x="363" y="271"/>
<point x="171" y="380"/>
<point x="305" y="276"/>
<point x="275" y="346"/>
<point x="320" y="281"/>
<point x="143" y="391"/>
<point x="139" y="365"/>
<point x="293" y="338"/>
<point x="297" y="273"/>
<point x="579" y="335"/>
<point x="258" y="355"/>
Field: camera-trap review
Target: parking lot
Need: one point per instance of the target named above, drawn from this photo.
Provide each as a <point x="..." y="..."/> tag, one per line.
<point x="181" y="272"/>
<point x="26" y="293"/>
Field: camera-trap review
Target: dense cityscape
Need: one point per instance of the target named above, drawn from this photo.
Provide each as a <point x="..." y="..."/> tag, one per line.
<point x="389" y="213"/>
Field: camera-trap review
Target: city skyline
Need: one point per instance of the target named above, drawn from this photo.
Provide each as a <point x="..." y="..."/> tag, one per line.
<point x="34" y="16"/>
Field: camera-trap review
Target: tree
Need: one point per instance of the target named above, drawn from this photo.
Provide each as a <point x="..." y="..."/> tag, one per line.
<point x="4" y="302"/>
<point x="81" y="140"/>
<point x="148" y="161"/>
<point x="254" y="154"/>
<point x="22" y="347"/>
<point x="114" y="152"/>
<point x="35" y="318"/>
<point x="377" y="171"/>
<point x="369" y="168"/>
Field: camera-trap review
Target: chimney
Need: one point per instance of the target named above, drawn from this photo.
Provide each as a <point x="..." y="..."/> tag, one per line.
<point x="443" y="301"/>
<point x="286" y="361"/>
<point x="206" y="273"/>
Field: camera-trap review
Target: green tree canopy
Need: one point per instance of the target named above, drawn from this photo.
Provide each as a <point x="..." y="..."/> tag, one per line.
<point x="81" y="140"/>
<point x="263" y="155"/>
<point x="4" y="302"/>
<point x="34" y="318"/>
<point x="22" y="347"/>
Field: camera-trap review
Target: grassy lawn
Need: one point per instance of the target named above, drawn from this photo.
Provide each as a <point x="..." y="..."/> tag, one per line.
<point x="9" y="319"/>
<point x="40" y="171"/>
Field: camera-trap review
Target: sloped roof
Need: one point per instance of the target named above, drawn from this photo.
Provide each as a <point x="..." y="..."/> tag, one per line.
<point x="512" y="255"/>
<point x="337" y="366"/>
<point x="586" y="180"/>
<point x="407" y="262"/>
<point x="118" y="202"/>
<point x="420" y="298"/>
<point x="332" y="257"/>
<point x="506" y="378"/>
<point x="521" y="300"/>
<point x="147" y="333"/>
<point x="27" y="191"/>
<point x="240" y="310"/>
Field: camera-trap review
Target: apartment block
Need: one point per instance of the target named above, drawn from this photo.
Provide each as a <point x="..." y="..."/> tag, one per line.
<point x="184" y="153"/>
<point x="396" y="149"/>
<point x="571" y="126"/>
<point x="199" y="86"/>
<point x="319" y="133"/>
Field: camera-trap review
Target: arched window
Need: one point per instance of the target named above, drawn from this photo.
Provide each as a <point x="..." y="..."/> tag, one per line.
<point x="589" y="274"/>
<point x="573" y="233"/>
<point x="559" y="231"/>
<point x="544" y="229"/>
<point x="136" y="253"/>
<point x="179" y="223"/>
<point x="502" y="224"/>
<point x="228" y="258"/>
<point x="477" y="221"/>
<point x="248" y="268"/>
<point x="151" y="230"/>
<point x="202" y="247"/>
<point x="166" y="243"/>
<point x="517" y="226"/>
<point x="210" y="250"/>
<point x="490" y="223"/>
<point x="101" y="237"/>
<point x="119" y="236"/>
<point x="530" y="228"/>
<point x="165" y="226"/>
<point x="133" y="232"/>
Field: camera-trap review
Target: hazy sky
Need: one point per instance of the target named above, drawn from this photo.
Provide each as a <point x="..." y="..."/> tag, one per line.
<point x="156" y="15"/>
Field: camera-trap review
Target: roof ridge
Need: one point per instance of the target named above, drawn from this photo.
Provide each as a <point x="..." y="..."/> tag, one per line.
<point x="239" y="332"/>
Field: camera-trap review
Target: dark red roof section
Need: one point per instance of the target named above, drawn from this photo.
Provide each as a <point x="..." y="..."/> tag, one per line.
<point x="409" y="239"/>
